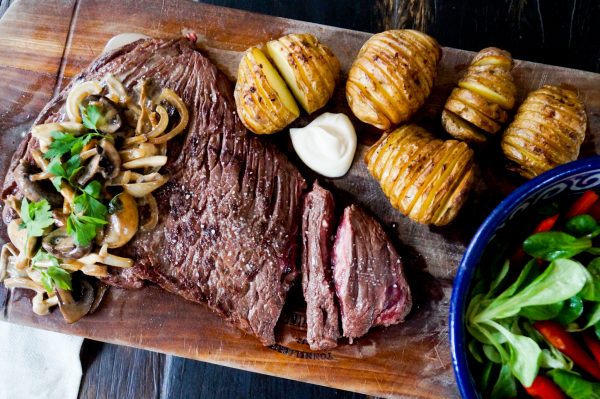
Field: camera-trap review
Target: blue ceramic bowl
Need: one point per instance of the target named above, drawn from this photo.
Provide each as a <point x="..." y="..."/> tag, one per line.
<point x="570" y="179"/>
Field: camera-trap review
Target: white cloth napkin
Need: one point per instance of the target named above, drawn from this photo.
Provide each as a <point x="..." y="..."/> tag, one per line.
<point x="38" y="364"/>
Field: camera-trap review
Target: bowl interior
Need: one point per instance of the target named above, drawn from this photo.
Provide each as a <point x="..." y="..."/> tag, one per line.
<point x="566" y="180"/>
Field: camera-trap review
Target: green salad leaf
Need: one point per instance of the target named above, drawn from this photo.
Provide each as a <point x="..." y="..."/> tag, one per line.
<point x="572" y="310"/>
<point x="505" y="386"/>
<point x="581" y="225"/>
<point x="574" y="385"/>
<point x="524" y="354"/>
<point x="542" y="312"/>
<point x="591" y="291"/>
<point x="552" y="245"/>
<point x="562" y="279"/>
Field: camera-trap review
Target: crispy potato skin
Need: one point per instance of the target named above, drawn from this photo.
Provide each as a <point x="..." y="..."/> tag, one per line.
<point x="425" y="178"/>
<point x="483" y="96"/>
<point x="314" y="68"/>
<point x="547" y="131"/>
<point x="260" y="106"/>
<point x="392" y="77"/>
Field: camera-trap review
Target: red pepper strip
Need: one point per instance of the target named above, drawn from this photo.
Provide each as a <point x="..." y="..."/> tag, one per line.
<point x="593" y="344"/>
<point x="583" y="204"/>
<point x="546" y="224"/>
<point x="545" y="388"/>
<point x="564" y="342"/>
<point x="595" y="211"/>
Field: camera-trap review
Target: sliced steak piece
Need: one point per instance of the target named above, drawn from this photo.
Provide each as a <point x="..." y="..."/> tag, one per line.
<point x="317" y="284"/>
<point x="368" y="275"/>
<point x="229" y="215"/>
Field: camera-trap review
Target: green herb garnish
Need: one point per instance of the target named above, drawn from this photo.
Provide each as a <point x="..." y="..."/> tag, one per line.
<point x="35" y="216"/>
<point x="91" y="117"/>
<point x="52" y="274"/>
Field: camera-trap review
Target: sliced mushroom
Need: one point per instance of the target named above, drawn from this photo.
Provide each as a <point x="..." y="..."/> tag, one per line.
<point x="101" y="289"/>
<point x="77" y="303"/>
<point x="16" y="234"/>
<point x="111" y="161"/>
<point x="32" y="190"/>
<point x="111" y="120"/>
<point x="107" y="162"/>
<point x="123" y="222"/>
<point x="24" y="244"/>
<point x="63" y="246"/>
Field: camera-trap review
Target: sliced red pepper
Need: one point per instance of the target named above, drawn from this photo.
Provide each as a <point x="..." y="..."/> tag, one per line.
<point x="558" y="337"/>
<point x="593" y="344"/>
<point x="595" y="211"/>
<point x="583" y="204"/>
<point x="546" y="224"/>
<point x="545" y="388"/>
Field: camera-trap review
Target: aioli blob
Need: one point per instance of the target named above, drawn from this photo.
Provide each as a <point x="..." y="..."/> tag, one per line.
<point x="326" y="145"/>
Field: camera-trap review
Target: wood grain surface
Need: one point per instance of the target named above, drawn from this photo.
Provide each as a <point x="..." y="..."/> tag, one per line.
<point x="45" y="46"/>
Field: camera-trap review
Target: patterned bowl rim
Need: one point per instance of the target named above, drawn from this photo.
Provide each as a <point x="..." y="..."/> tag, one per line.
<point x="506" y="209"/>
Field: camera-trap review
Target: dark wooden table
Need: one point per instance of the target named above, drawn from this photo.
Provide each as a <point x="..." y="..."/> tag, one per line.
<point x="561" y="33"/>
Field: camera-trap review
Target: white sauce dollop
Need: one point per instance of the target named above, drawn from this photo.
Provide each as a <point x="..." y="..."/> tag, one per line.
<point x="122" y="39"/>
<point x="326" y="145"/>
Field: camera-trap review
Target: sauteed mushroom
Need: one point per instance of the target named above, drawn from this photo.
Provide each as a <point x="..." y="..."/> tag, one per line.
<point x="111" y="119"/>
<point x="77" y="303"/>
<point x="122" y="222"/>
<point x="107" y="162"/>
<point x="62" y="245"/>
<point x="33" y="191"/>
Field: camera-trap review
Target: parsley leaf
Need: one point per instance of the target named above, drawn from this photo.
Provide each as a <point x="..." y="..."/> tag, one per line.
<point x="61" y="144"/>
<point x="66" y="142"/>
<point x="83" y="228"/>
<point x="91" y="116"/>
<point x="36" y="217"/>
<point x="93" y="188"/>
<point x="43" y="257"/>
<point x="85" y="204"/>
<point x="52" y="274"/>
<point x="66" y="171"/>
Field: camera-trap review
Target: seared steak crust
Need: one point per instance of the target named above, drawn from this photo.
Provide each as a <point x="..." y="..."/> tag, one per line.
<point x="229" y="215"/>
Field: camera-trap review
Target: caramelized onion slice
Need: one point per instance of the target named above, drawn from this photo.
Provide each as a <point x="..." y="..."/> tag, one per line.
<point x="106" y="259"/>
<point x="143" y="188"/>
<point x="162" y="123"/>
<point x="152" y="221"/>
<point x="146" y="162"/>
<point x="116" y="91"/>
<point x="171" y="97"/>
<point x="77" y="94"/>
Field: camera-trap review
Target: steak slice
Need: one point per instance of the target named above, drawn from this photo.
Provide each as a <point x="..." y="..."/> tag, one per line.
<point x="367" y="270"/>
<point x="317" y="285"/>
<point x="229" y="215"/>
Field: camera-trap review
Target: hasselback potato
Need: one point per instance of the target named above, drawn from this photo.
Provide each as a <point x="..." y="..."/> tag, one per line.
<point x="425" y="178"/>
<point x="309" y="68"/>
<point x="547" y="131"/>
<point x="392" y="76"/>
<point x="478" y="107"/>
<point x="263" y="101"/>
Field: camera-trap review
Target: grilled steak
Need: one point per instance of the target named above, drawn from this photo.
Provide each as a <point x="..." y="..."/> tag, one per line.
<point x="229" y="215"/>
<point x="367" y="271"/>
<point x="317" y="231"/>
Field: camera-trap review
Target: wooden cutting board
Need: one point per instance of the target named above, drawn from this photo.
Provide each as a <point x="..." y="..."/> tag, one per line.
<point x="45" y="44"/>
